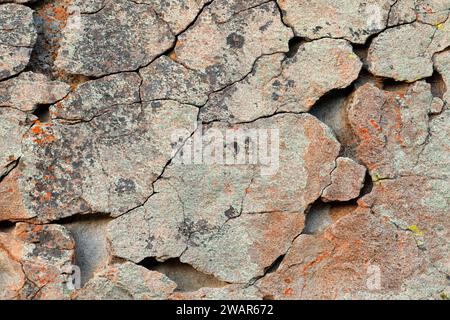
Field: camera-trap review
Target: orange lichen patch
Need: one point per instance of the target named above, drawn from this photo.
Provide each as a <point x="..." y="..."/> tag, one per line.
<point x="427" y="8"/>
<point x="364" y="134"/>
<point x="339" y="211"/>
<point x="61" y="14"/>
<point x="47" y="196"/>
<point x="363" y="204"/>
<point x="76" y="80"/>
<point x="27" y="233"/>
<point x="40" y="133"/>
<point x="13" y="277"/>
<point x="228" y="188"/>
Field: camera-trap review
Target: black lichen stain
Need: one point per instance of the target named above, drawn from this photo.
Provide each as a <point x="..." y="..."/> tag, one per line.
<point x="231" y="213"/>
<point x="235" y="41"/>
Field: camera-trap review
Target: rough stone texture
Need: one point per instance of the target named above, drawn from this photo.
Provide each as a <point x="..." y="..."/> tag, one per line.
<point x="354" y="20"/>
<point x="340" y="263"/>
<point x="241" y="39"/>
<point x="127" y="281"/>
<point x="412" y="190"/>
<point x="167" y="79"/>
<point x="346" y="181"/>
<point x="248" y="210"/>
<point x="17" y="38"/>
<point x="12" y="127"/>
<point x="230" y="292"/>
<point x="35" y="262"/>
<point x="431" y="12"/>
<point x="442" y="63"/>
<point x="394" y="131"/>
<point x="224" y="149"/>
<point x="28" y="90"/>
<point x="177" y="14"/>
<point x="85" y="160"/>
<point x="122" y="36"/>
<point x="405" y="53"/>
<point x="286" y="85"/>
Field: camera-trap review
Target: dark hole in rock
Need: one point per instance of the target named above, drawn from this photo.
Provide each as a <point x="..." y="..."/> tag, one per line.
<point x="317" y="218"/>
<point x="362" y="51"/>
<point x="438" y="87"/>
<point x="185" y="276"/>
<point x="42" y="112"/>
<point x="331" y="110"/>
<point x="368" y="185"/>
<point x="6" y="226"/>
<point x="393" y="85"/>
<point x="294" y="45"/>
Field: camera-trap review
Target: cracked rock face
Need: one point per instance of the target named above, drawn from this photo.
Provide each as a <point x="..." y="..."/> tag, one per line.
<point x="93" y="153"/>
<point x="122" y="36"/>
<point x="350" y="250"/>
<point x="408" y="58"/>
<point x="224" y="149"/>
<point x="354" y="20"/>
<point x="239" y="39"/>
<point x="236" y="203"/>
<point x="347" y="180"/>
<point x="28" y="90"/>
<point x="127" y="281"/>
<point x="37" y="261"/>
<point x="17" y="38"/>
<point x="278" y="84"/>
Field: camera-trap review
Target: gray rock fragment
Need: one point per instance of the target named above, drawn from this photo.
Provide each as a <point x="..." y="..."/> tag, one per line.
<point x="442" y="64"/>
<point x="346" y="181"/>
<point x="405" y="53"/>
<point x="104" y="160"/>
<point x="126" y="281"/>
<point x="240" y="41"/>
<point x="353" y="20"/>
<point x="206" y="213"/>
<point x="278" y="84"/>
<point x="28" y="90"/>
<point x="122" y="36"/>
<point x="17" y="38"/>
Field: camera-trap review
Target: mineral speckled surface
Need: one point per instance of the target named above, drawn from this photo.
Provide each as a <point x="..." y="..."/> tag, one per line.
<point x="224" y="149"/>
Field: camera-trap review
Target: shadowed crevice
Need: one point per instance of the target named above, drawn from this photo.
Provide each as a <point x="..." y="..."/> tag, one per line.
<point x="6" y="226"/>
<point x="42" y="112"/>
<point x="294" y="45"/>
<point x="184" y="275"/>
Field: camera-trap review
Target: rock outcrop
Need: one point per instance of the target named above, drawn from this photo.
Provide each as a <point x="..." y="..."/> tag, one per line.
<point x="224" y="149"/>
